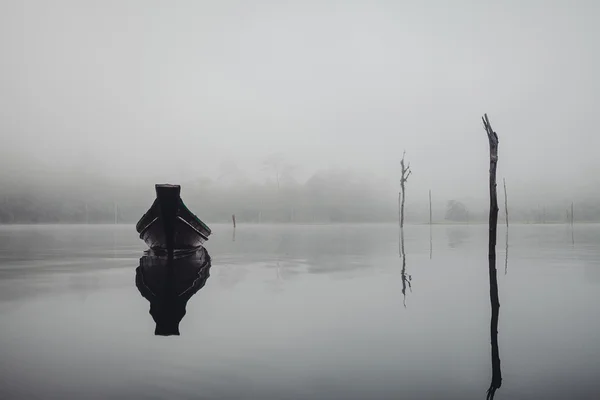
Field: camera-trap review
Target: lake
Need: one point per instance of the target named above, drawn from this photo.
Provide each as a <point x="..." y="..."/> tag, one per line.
<point x="304" y="312"/>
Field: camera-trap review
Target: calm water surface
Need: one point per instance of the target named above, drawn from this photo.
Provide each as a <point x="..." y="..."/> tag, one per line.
<point x="303" y="312"/>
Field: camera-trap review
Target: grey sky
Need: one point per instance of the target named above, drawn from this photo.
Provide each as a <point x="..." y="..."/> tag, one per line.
<point x="174" y="89"/>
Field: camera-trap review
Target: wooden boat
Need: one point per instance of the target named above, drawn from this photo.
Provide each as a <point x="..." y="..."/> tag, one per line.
<point x="168" y="226"/>
<point x="168" y="284"/>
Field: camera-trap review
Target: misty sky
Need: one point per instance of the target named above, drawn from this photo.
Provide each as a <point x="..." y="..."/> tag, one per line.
<point x="175" y="89"/>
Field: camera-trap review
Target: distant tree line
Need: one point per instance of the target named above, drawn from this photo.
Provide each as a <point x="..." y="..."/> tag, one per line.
<point x="557" y="212"/>
<point x="326" y="197"/>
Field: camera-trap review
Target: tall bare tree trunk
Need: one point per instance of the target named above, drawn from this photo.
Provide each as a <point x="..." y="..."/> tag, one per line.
<point x="405" y="173"/>
<point x="493" y="224"/>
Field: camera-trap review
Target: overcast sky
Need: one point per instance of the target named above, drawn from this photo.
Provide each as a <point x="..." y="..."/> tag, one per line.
<point x="175" y="89"/>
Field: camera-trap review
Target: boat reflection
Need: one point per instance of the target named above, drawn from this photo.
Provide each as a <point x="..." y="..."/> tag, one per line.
<point x="168" y="284"/>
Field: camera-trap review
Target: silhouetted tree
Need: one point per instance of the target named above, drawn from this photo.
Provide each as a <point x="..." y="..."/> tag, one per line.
<point x="404" y="174"/>
<point x="456" y="211"/>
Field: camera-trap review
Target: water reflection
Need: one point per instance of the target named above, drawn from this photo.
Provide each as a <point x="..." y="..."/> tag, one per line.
<point x="168" y="284"/>
<point x="457" y="236"/>
<point x="495" y="306"/>
<point x="406" y="279"/>
<point x="430" y="242"/>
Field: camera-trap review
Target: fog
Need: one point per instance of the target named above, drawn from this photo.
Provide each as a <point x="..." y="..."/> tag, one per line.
<point x="119" y="95"/>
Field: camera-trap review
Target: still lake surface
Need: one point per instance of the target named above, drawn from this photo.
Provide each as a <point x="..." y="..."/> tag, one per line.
<point x="304" y="312"/>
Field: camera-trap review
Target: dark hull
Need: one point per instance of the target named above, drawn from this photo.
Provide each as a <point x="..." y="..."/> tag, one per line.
<point x="168" y="226"/>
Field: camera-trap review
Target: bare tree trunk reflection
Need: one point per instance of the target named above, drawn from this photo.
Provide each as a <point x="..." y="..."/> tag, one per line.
<point x="406" y="279"/>
<point x="430" y="242"/>
<point x="495" y="305"/>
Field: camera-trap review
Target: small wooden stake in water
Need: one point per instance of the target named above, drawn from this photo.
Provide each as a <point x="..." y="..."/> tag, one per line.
<point x="505" y="203"/>
<point x="506" y="215"/>
<point x="572" y="228"/>
<point x="506" y="254"/>
<point x="430" y="213"/>
<point x="233" y="219"/>
<point x="430" y="231"/>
